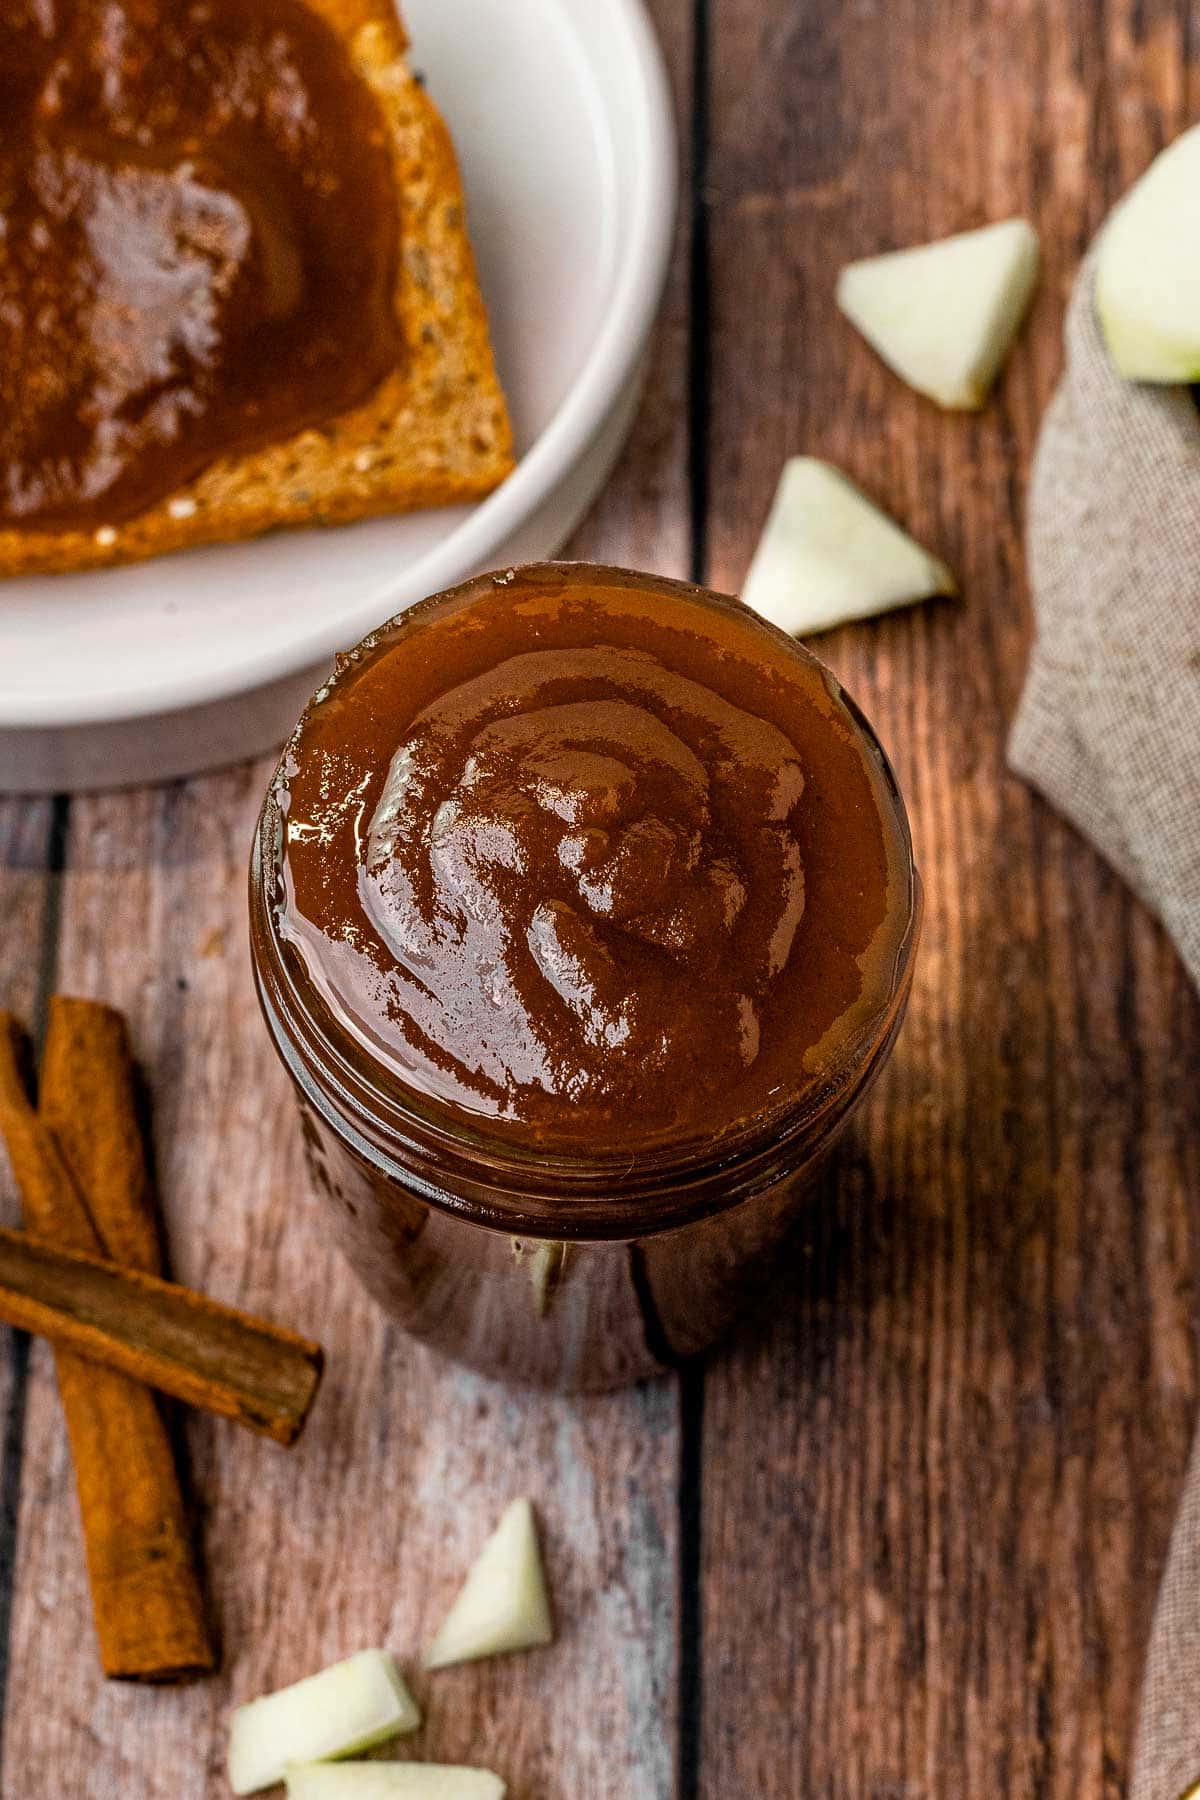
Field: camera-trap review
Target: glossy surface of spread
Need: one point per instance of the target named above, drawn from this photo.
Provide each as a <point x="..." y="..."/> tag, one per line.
<point x="198" y="244"/>
<point x="585" y="860"/>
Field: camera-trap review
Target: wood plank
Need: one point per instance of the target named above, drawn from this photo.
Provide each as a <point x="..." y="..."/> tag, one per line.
<point x="25" y="827"/>
<point x="359" y="1535"/>
<point x="941" y="1476"/>
<point x="27" y="908"/>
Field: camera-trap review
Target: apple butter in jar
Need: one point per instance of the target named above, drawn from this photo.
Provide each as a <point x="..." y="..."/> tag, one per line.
<point x="583" y="914"/>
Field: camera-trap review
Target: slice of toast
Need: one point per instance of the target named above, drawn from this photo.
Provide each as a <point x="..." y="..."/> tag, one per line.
<point x="433" y="433"/>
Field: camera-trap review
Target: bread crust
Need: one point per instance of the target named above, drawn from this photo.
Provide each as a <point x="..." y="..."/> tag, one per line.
<point x="436" y="431"/>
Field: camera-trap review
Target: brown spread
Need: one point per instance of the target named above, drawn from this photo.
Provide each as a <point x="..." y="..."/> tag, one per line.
<point x="198" y="244"/>
<point x="590" y="860"/>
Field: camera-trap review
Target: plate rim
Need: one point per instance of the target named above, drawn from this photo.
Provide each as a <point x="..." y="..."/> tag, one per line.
<point x="618" y="344"/>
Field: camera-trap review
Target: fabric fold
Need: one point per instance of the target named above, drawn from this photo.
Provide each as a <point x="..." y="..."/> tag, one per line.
<point x="1108" y="730"/>
<point x="1109" y="723"/>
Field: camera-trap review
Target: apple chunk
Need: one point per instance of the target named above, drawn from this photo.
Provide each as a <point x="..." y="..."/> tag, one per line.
<point x="944" y="315"/>
<point x="503" y="1604"/>
<point x="828" y="555"/>
<point x="1148" y="273"/>
<point x="392" y="1781"/>
<point x="349" y="1707"/>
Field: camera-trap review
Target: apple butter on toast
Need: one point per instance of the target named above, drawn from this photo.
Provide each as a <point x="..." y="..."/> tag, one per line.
<point x="236" y="289"/>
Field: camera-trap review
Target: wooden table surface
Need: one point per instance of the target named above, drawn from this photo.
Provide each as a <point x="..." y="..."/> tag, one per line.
<point x="900" y="1537"/>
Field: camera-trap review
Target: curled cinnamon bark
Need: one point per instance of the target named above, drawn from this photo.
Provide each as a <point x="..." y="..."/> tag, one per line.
<point x="146" y="1598"/>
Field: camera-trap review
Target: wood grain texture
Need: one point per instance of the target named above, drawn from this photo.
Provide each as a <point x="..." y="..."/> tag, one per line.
<point x="27" y="907"/>
<point x="961" y="1433"/>
<point x="939" y="1473"/>
<point x="361" y="1534"/>
<point x="27" y="911"/>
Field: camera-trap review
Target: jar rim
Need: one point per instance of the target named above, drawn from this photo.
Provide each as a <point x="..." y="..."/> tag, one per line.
<point x="531" y="1189"/>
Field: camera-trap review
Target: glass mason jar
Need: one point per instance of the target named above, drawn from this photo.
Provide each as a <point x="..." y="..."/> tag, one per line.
<point x="583" y="1267"/>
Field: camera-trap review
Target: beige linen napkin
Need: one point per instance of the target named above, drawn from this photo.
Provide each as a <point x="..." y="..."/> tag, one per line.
<point x="1109" y="723"/>
<point x="1109" y="730"/>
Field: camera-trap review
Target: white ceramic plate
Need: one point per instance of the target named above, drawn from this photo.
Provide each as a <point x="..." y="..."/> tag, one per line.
<point x="561" y="115"/>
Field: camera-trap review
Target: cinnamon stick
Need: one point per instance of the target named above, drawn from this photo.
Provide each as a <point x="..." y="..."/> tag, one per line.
<point x="146" y="1599"/>
<point x="87" y="1095"/>
<point x="170" y="1337"/>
